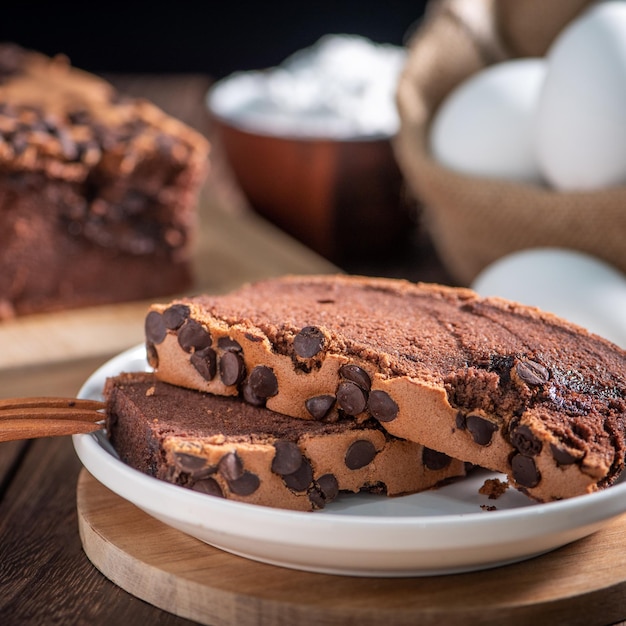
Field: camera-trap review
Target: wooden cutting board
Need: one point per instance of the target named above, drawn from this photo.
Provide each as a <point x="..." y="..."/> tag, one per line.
<point x="583" y="583"/>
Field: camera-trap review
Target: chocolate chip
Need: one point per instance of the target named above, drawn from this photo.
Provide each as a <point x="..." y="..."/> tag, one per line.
<point x="434" y="460"/>
<point x="481" y="429"/>
<point x="328" y="485"/>
<point x="192" y="335"/>
<point x="351" y="398"/>
<point x="526" y="441"/>
<point x="287" y="458"/>
<point x="562" y="456"/>
<point x="308" y="342"/>
<point x="360" y="453"/>
<point x="152" y="356"/>
<point x="208" y="486"/>
<point x="382" y="406"/>
<point x="230" y="466"/>
<point x="525" y="471"/>
<point x="155" y="328"/>
<point x="263" y="381"/>
<point x="250" y="397"/>
<point x="357" y="375"/>
<point x="532" y="373"/>
<point x="226" y="343"/>
<point x="232" y="368"/>
<point x="246" y="484"/>
<point x="460" y="421"/>
<point x="319" y="406"/>
<point x="175" y="315"/>
<point x="188" y="462"/>
<point x="301" y="479"/>
<point x="205" y="362"/>
<point x="316" y="499"/>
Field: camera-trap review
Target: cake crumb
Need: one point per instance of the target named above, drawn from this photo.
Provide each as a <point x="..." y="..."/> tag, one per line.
<point x="493" y="488"/>
<point x="150" y="391"/>
<point x="488" y="507"/>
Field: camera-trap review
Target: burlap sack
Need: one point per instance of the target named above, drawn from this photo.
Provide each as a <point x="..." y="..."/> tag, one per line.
<point x="474" y="221"/>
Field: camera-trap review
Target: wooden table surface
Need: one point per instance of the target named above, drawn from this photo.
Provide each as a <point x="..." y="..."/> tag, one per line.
<point x="45" y="577"/>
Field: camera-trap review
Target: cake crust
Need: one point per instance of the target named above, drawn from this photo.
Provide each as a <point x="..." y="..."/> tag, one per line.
<point x="488" y="381"/>
<point x="229" y="448"/>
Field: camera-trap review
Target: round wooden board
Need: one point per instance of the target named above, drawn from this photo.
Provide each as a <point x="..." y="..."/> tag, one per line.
<point x="583" y="583"/>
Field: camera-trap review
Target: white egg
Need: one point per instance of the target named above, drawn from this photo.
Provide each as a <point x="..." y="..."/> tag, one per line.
<point x="572" y="284"/>
<point x="484" y="126"/>
<point x="581" y="116"/>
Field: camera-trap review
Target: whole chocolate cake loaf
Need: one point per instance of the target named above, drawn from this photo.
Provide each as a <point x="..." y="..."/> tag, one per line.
<point x="490" y="382"/>
<point x="229" y="448"/>
<point x="93" y="186"/>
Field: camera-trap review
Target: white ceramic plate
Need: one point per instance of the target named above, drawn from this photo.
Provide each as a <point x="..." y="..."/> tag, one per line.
<point x="436" y="532"/>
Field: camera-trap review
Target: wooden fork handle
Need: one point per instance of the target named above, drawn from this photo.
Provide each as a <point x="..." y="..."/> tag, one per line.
<point x="25" y="428"/>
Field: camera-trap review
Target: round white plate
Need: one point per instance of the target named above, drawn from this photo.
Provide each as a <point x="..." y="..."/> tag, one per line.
<point x="437" y="532"/>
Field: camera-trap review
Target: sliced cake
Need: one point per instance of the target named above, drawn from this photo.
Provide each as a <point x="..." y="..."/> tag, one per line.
<point x="93" y="186"/>
<point x="226" y="447"/>
<point x="487" y="381"/>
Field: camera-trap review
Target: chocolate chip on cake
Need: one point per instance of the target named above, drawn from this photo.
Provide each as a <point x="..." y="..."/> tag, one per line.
<point x="205" y="362"/>
<point x="263" y="381"/>
<point x="319" y="406"/>
<point x="232" y="368"/>
<point x="351" y="398"/>
<point x="192" y="335"/>
<point x="359" y="454"/>
<point x="563" y="456"/>
<point x="208" y="486"/>
<point x="525" y="471"/>
<point x="357" y="375"/>
<point x="190" y="463"/>
<point x="481" y="429"/>
<point x="175" y="315"/>
<point x="230" y="466"/>
<point x="382" y="406"/>
<point x="301" y="479"/>
<point x="288" y="457"/>
<point x="226" y="343"/>
<point x="329" y="486"/>
<point x="155" y="328"/>
<point x="249" y="396"/>
<point x="246" y="484"/>
<point x="434" y="460"/>
<point x="524" y="440"/>
<point x="308" y="342"/>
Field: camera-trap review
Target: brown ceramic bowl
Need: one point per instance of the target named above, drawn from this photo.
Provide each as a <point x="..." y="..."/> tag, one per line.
<point x="340" y="197"/>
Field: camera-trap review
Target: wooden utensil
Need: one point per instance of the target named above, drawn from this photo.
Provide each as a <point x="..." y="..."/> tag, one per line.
<point x="29" y="418"/>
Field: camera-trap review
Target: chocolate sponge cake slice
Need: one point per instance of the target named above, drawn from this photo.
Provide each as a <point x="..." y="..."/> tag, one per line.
<point x="487" y="381"/>
<point x="227" y="447"/>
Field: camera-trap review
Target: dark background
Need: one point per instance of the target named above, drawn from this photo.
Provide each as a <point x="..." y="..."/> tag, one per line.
<point x="214" y="38"/>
